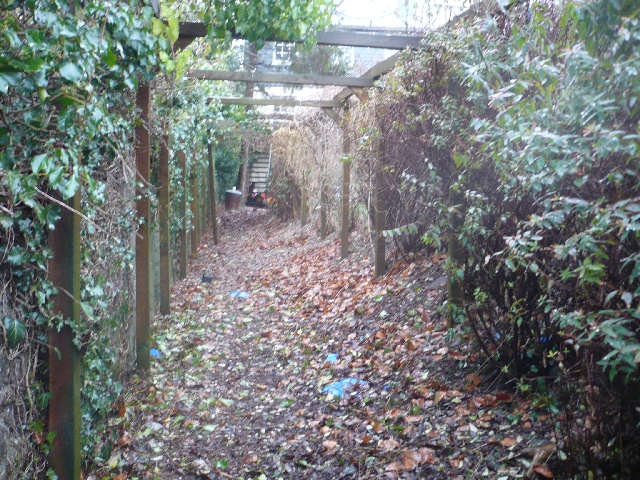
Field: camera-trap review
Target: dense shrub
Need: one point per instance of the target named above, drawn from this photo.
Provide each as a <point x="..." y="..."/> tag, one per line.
<point x="516" y="138"/>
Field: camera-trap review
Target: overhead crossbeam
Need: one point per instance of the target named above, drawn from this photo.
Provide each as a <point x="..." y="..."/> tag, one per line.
<point x="295" y="79"/>
<point x="346" y="38"/>
<point x="283" y="102"/>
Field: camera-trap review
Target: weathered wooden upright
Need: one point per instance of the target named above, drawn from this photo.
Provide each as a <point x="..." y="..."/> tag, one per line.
<point x="165" y="237"/>
<point x="346" y="185"/>
<point x="143" y="274"/>
<point x="183" y="214"/>
<point x="212" y="191"/>
<point x="195" y="216"/>
<point x="65" y="364"/>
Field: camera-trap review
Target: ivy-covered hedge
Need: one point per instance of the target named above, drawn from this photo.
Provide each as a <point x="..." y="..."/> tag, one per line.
<point x="69" y="72"/>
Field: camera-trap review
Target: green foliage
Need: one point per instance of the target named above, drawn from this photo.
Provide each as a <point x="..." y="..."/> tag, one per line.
<point x="67" y="86"/>
<point x="527" y="122"/>
<point x="285" y="20"/>
<point x="228" y="161"/>
<point x="14" y="331"/>
<point x="565" y="144"/>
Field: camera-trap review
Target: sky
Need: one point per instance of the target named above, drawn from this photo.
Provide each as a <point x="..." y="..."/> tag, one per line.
<point x="404" y="14"/>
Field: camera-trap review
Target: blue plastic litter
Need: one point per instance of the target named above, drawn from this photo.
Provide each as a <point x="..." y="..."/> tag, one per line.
<point x="332" y="358"/>
<point x="338" y="389"/>
<point x="239" y="294"/>
<point x="155" y="353"/>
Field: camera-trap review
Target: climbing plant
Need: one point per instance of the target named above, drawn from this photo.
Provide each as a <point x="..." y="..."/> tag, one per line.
<point x="68" y="77"/>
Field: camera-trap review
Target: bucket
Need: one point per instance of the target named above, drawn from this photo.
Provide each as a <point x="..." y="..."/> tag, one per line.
<point x="232" y="199"/>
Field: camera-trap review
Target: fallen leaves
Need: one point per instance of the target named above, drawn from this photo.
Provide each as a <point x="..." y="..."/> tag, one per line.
<point x="508" y="442"/>
<point x="240" y="379"/>
<point x="542" y="470"/>
<point x="388" y="444"/>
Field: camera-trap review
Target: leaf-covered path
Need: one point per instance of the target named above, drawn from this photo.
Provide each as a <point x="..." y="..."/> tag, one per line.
<point x="236" y="389"/>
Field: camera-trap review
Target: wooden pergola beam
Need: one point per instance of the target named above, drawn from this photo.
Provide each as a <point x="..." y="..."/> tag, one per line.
<point x="286" y="78"/>
<point x="374" y="72"/>
<point x="346" y="38"/>
<point x="283" y="102"/>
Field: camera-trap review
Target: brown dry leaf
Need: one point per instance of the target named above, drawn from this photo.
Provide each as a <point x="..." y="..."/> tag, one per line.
<point x="121" y="476"/>
<point x="504" y="397"/>
<point x="543" y="470"/>
<point x="411" y="459"/>
<point x="367" y="439"/>
<point x="542" y="452"/>
<point x="389" y="444"/>
<point x="439" y="396"/>
<point x="427" y="455"/>
<point x="329" y="444"/>
<point x="508" y="442"/>
<point x="391" y="471"/>
<point x="378" y="427"/>
<point x="125" y="439"/>
<point x="122" y="410"/>
<point x="249" y="459"/>
<point x="414" y="418"/>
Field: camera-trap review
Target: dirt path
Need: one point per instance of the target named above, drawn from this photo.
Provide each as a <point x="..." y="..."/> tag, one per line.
<point x="237" y="386"/>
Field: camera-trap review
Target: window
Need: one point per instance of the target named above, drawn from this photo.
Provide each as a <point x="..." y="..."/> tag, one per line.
<point x="281" y="53"/>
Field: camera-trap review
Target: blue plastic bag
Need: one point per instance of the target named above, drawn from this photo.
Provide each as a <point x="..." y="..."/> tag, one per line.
<point x="332" y="358"/>
<point x="155" y="353"/>
<point x="338" y="389"/>
<point x="239" y="294"/>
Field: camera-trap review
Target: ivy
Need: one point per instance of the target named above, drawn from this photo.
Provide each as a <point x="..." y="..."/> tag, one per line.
<point x="67" y="112"/>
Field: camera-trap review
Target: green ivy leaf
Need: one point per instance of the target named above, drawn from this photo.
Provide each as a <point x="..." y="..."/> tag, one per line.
<point x="70" y="71"/>
<point x="15" y="331"/>
<point x="8" y="79"/>
<point x="37" y="161"/>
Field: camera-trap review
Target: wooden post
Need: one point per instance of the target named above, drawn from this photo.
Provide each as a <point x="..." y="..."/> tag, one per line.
<point x="344" y="234"/>
<point x="212" y="192"/>
<point x="304" y="202"/>
<point x="183" y="213"/>
<point x="346" y="185"/>
<point x="143" y="276"/>
<point x="242" y="173"/>
<point x="65" y="364"/>
<point x="380" y="268"/>
<point x="304" y="208"/>
<point x="165" y="237"/>
<point x="456" y="256"/>
<point x="206" y="198"/>
<point x="323" y="211"/>
<point x="195" y="216"/>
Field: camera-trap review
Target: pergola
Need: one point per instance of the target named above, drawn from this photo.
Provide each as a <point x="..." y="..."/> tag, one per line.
<point x="65" y="382"/>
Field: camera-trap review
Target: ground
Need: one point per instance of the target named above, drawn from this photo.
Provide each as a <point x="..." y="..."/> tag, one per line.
<point x="242" y="370"/>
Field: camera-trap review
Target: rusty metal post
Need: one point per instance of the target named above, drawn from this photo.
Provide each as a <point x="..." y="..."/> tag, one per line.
<point x="212" y="192"/>
<point x="165" y="236"/>
<point x="65" y="364"/>
<point x="143" y="274"/>
<point x="183" y="214"/>
<point x="195" y="216"/>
